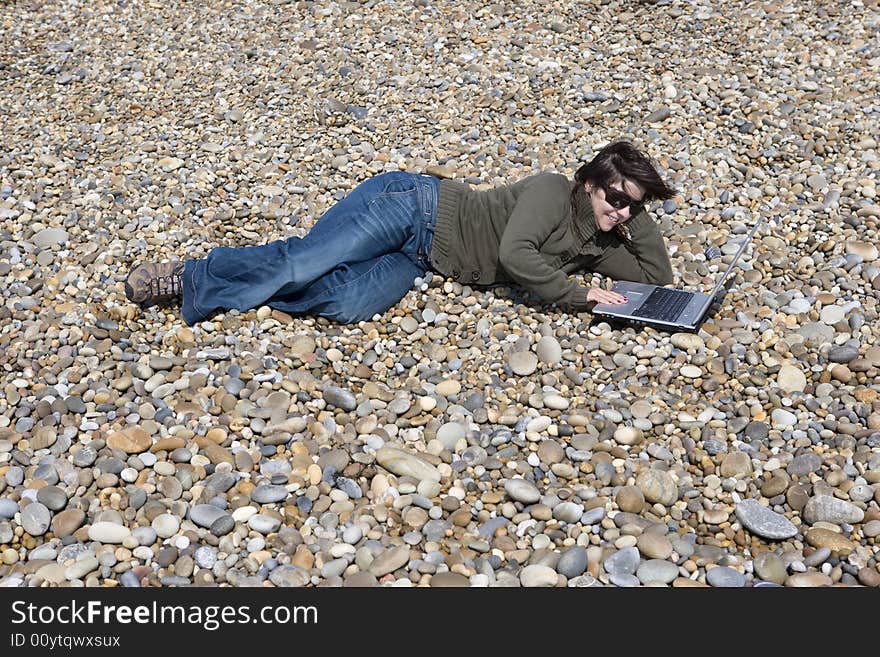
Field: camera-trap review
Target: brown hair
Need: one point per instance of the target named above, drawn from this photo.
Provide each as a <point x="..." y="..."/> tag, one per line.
<point x="620" y="161"/>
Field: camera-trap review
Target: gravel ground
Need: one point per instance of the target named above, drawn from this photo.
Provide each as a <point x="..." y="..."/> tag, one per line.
<point x="467" y="437"/>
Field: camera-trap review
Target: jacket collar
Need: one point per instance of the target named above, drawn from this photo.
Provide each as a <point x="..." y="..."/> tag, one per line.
<point x="585" y="228"/>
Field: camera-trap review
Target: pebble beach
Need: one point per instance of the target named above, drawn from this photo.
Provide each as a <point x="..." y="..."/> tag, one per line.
<point x="469" y="437"/>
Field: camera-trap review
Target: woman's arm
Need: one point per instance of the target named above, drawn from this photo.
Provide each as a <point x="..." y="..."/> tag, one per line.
<point x="642" y="257"/>
<point x="538" y="211"/>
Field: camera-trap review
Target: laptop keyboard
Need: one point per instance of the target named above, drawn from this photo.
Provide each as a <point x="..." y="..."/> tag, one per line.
<point x="664" y="304"/>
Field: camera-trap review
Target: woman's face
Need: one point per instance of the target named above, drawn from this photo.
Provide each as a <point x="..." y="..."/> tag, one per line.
<point x="616" y="204"/>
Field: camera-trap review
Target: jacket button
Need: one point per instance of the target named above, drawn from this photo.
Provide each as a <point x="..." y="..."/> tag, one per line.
<point x="475" y="276"/>
<point x="456" y="273"/>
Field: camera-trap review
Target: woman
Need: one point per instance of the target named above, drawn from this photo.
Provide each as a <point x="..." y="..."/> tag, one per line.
<point x="361" y="256"/>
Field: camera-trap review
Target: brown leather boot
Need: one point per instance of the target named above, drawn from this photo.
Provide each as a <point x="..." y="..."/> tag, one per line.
<point x="150" y="283"/>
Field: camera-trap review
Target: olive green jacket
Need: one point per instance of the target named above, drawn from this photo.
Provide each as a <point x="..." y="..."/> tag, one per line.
<point x="525" y="233"/>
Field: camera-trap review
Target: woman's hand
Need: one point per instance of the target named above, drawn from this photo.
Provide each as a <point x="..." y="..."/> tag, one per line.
<point x="599" y="295"/>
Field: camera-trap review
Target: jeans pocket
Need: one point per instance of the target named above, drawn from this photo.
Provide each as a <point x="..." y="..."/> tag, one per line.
<point x="398" y="182"/>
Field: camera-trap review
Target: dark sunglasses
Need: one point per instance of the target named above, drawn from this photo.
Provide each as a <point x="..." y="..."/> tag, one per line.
<point x="619" y="200"/>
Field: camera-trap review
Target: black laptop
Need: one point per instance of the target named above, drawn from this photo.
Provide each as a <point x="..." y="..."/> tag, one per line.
<point x="664" y="308"/>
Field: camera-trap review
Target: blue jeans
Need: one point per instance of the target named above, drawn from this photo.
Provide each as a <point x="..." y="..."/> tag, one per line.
<point x="359" y="259"/>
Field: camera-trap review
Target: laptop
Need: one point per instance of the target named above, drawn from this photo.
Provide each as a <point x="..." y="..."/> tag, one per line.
<point x="664" y="308"/>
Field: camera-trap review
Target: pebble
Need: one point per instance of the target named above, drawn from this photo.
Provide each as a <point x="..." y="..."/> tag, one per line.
<point x="165" y="525"/>
<point x="656" y="570"/>
<point x="573" y="562"/>
<point x="536" y="575"/>
<point x="723" y="576"/>
<point x="35" y="519"/>
<point x="204" y="515"/>
<point x="289" y="576"/>
<point x="403" y="463"/>
<point x="770" y="567"/>
<point x="764" y="522"/>
<point x="623" y="562"/>
<point x="108" y="532"/>
<point x="824" y="508"/>
<point x="657" y="486"/>
<point x="522" y="491"/>
<point x="8" y="508"/>
<point x="523" y="363"/>
<point x="269" y="494"/>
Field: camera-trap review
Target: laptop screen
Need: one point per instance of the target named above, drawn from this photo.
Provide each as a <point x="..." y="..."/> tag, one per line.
<point x="742" y="248"/>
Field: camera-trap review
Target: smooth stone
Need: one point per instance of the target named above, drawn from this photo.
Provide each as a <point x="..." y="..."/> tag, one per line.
<point x="108" y="532"/>
<point x="264" y="524"/>
<point x="573" y="562"/>
<point x="53" y="497"/>
<point x="831" y="315"/>
<point x="390" y="560"/>
<point x="35" y="519"/>
<point x="288" y="576"/>
<point x="537" y="575"/>
<point x="630" y="499"/>
<point x="657" y="570"/>
<point x="549" y="451"/>
<point x="569" y="512"/>
<point x="808" y="580"/>
<point x="144" y="535"/>
<point x="791" y="379"/>
<point x="204" y="515"/>
<point x="736" y="464"/>
<point x="334" y="568"/>
<point x="820" y="537"/>
<point x="362" y="580"/>
<point x="657" y="486"/>
<point x="222" y="525"/>
<point x="165" y="525"/>
<point x="403" y="463"/>
<point x="623" y="562"/>
<point x="46" y="237"/>
<point x="782" y="418"/>
<point x="654" y="546"/>
<point x="129" y="580"/>
<point x="770" y="567"/>
<point x="340" y="397"/>
<point x="450" y="433"/>
<point x="556" y="402"/>
<point x="628" y="436"/>
<point x="450" y="580"/>
<point x="764" y="522"/>
<point x="724" y="576"/>
<point x="624" y="580"/>
<point x="803" y="464"/>
<point x="82" y="567"/>
<point x="132" y="440"/>
<point x="8" y="508"/>
<point x="865" y="250"/>
<point x="68" y="521"/>
<point x="818" y="557"/>
<point x="549" y="350"/>
<point x="448" y="388"/>
<point x="521" y="490"/>
<point x="205" y="557"/>
<point x="349" y="487"/>
<point x="269" y="494"/>
<point x="825" y="508"/>
<point x="523" y="363"/>
<point x="687" y="341"/>
<point x="843" y="354"/>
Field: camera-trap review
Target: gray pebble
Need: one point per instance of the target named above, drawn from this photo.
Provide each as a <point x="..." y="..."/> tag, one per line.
<point x="723" y="576"/>
<point x="35" y="519"/>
